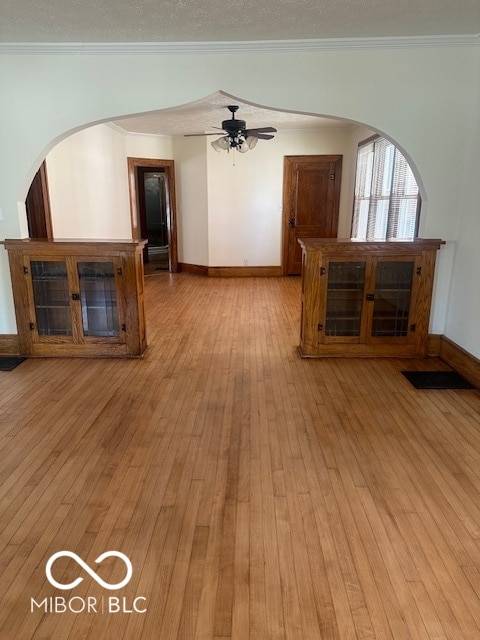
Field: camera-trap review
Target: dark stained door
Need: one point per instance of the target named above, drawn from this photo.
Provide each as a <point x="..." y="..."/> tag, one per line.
<point x="37" y="205"/>
<point x="311" y="197"/>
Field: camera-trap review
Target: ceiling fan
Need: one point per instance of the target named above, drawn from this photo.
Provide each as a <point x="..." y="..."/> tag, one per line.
<point x="237" y="136"/>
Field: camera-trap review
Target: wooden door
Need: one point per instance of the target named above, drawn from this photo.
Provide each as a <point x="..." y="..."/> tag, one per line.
<point x="311" y="196"/>
<point x="37" y="205"/>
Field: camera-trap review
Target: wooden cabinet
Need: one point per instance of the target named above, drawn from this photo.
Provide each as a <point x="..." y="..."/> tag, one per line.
<point x="75" y="298"/>
<point x="366" y="298"/>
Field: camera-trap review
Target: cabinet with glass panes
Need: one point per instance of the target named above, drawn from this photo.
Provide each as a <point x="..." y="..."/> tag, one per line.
<point x="78" y="298"/>
<point x="366" y="298"/>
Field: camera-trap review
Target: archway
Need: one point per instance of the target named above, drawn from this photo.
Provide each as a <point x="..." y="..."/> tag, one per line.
<point x="244" y="203"/>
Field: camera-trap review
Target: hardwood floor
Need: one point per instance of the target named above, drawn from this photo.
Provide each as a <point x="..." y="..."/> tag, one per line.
<point x="257" y="495"/>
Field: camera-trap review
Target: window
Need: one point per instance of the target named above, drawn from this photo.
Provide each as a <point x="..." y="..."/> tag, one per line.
<point x="387" y="200"/>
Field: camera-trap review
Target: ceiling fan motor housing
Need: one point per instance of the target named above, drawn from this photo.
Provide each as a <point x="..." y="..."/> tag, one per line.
<point x="234" y="126"/>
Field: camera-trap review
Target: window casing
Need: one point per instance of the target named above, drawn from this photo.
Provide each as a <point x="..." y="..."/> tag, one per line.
<point x="387" y="199"/>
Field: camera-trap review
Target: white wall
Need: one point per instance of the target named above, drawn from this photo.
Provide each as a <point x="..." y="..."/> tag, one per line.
<point x="422" y="98"/>
<point x="462" y="324"/>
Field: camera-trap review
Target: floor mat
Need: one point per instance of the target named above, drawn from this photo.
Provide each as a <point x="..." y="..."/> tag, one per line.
<point x="437" y="380"/>
<point x="10" y="362"/>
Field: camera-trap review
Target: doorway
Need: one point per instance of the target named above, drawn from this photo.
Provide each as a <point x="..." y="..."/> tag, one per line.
<point x="152" y="200"/>
<point x="311" y="199"/>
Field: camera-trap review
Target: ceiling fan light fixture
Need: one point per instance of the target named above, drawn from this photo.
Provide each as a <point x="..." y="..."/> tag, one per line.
<point x="247" y="144"/>
<point x="221" y="144"/>
<point x="238" y="137"/>
<point x="237" y="143"/>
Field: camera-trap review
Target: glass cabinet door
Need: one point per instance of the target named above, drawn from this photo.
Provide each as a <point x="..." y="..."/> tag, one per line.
<point x="344" y="298"/>
<point x="391" y="306"/>
<point x="51" y="296"/>
<point x="98" y="298"/>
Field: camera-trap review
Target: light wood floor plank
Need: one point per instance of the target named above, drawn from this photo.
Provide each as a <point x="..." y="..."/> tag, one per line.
<point x="258" y="496"/>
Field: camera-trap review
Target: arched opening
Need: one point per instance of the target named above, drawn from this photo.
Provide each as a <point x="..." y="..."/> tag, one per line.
<point x="230" y="214"/>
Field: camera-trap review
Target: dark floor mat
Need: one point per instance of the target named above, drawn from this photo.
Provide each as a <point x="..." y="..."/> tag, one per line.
<point x="10" y="362"/>
<point x="437" y="380"/>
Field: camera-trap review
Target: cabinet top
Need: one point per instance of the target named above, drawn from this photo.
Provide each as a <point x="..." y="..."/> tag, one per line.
<point x="369" y="246"/>
<point x="74" y="245"/>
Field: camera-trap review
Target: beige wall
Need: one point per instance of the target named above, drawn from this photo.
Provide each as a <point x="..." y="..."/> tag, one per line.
<point x="192" y="199"/>
<point x="229" y="204"/>
<point x="88" y="181"/>
<point x="245" y="194"/>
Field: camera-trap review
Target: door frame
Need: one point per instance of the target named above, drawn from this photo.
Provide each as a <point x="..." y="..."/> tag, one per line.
<point x="288" y="192"/>
<point x="168" y="167"/>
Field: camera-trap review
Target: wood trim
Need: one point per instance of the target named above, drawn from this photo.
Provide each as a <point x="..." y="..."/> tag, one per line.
<point x="195" y="269"/>
<point x="286" y="197"/>
<point x="433" y="349"/>
<point x="239" y="272"/>
<point x="169" y="168"/>
<point x="375" y="247"/>
<point x="434" y="342"/>
<point x="460" y="360"/>
<point x="230" y="272"/>
<point x="72" y="246"/>
<point x="9" y="345"/>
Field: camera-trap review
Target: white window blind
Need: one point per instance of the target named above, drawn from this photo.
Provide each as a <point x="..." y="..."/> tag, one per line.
<point x="386" y="202"/>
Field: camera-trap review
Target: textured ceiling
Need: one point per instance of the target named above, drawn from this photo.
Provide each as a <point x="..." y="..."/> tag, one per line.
<point x="171" y="21"/>
<point x="205" y="115"/>
<point x="242" y="20"/>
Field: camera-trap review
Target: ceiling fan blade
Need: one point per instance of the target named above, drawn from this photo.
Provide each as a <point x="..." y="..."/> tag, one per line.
<point x="253" y="132"/>
<point x="261" y="136"/>
<point x="191" y="135"/>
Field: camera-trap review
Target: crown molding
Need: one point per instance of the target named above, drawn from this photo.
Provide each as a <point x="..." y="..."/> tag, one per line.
<point x="254" y="46"/>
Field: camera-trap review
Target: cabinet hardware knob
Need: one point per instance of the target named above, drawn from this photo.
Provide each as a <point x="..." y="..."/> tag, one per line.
<point x="370" y="296"/>
<point x="75" y="296"/>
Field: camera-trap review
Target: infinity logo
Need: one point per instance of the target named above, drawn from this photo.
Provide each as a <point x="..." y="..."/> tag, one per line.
<point x="91" y="573"/>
